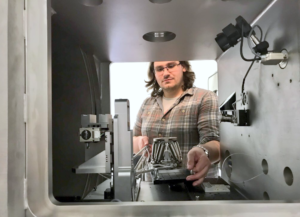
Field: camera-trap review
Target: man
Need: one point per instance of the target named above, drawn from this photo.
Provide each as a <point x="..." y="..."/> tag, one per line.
<point x="177" y="109"/>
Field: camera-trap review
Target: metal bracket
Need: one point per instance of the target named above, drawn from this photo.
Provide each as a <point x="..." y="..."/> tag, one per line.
<point x="275" y="58"/>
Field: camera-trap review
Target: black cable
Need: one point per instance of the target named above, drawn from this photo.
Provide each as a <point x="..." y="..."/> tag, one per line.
<point x="241" y="49"/>
<point x="246" y="75"/>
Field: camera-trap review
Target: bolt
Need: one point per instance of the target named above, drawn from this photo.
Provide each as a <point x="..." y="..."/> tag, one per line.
<point x="197" y="197"/>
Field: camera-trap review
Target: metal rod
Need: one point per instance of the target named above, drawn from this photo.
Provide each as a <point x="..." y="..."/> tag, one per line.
<point x="254" y="39"/>
<point x="140" y="152"/>
<point x="143" y="171"/>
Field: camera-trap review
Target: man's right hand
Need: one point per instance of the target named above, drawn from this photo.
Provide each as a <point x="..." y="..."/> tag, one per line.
<point x="140" y="142"/>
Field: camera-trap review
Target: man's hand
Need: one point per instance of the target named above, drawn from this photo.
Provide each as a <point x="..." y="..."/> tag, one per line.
<point x="140" y="142"/>
<point x="199" y="163"/>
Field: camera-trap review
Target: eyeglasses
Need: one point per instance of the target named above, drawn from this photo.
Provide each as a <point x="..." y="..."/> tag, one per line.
<point x="170" y="67"/>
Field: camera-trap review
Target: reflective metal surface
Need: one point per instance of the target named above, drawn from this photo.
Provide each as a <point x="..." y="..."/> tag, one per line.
<point x="4" y="108"/>
<point x="115" y="28"/>
<point x="12" y="126"/>
<point x="273" y="136"/>
<point x="124" y="179"/>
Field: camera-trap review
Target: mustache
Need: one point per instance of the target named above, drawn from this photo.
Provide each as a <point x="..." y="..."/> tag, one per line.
<point x="167" y="78"/>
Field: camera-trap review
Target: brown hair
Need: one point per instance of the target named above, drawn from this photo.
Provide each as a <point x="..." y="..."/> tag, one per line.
<point x="188" y="79"/>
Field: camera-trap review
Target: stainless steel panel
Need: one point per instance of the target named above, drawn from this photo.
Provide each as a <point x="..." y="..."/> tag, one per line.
<point x="115" y="28"/>
<point x="273" y="103"/>
<point x="40" y="200"/>
<point x="123" y="171"/>
<point x="4" y="107"/>
<point x="15" y="78"/>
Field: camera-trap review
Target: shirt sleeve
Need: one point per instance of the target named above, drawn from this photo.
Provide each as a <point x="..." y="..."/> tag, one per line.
<point x="208" y="119"/>
<point x="138" y="123"/>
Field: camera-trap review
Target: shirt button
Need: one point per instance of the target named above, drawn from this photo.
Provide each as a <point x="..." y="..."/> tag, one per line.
<point x="163" y="120"/>
<point x="183" y="111"/>
<point x="159" y="134"/>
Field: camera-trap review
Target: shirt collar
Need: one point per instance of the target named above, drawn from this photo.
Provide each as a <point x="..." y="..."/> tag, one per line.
<point x="189" y="91"/>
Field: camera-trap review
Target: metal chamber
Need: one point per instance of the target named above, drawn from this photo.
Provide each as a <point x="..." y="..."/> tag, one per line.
<point x="273" y="131"/>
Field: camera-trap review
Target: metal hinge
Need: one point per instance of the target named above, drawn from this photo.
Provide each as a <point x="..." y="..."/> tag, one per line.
<point x="25" y="108"/>
<point x="25" y="21"/>
<point x="25" y="194"/>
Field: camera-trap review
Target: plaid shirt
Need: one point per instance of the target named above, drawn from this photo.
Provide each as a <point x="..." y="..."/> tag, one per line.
<point x="193" y="119"/>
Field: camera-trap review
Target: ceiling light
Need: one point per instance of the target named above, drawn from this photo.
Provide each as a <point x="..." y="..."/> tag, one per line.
<point x="159" y="36"/>
<point x="160" y="1"/>
<point x="91" y="3"/>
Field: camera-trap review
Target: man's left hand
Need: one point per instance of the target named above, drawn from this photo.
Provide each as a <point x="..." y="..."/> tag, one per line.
<point x="199" y="163"/>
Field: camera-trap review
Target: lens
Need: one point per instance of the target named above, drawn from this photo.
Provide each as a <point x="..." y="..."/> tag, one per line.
<point x="159" y="69"/>
<point x="171" y="66"/>
<point x="222" y="41"/>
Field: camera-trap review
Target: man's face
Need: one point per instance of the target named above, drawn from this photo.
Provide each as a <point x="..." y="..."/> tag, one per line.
<point x="169" y="74"/>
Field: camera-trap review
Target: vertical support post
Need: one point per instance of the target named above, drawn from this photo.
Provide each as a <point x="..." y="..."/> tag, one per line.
<point x="108" y="155"/>
<point x="123" y="169"/>
<point x="105" y="88"/>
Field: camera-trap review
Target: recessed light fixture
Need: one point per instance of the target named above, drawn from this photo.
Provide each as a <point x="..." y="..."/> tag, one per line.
<point x="160" y="1"/>
<point x="91" y="3"/>
<point x="159" y="36"/>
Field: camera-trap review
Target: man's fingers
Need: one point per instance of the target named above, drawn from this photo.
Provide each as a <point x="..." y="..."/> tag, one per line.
<point x="201" y="164"/>
<point x="198" y="175"/>
<point x="145" y="140"/>
<point x="198" y="182"/>
<point x="190" y="160"/>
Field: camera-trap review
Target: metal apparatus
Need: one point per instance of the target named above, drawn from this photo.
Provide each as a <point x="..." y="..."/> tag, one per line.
<point x="275" y="103"/>
<point x="166" y="155"/>
<point x="166" y="152"/>
<point x="116" y="136"/>
<point x="231" y="35"/>
<point x="116" y="159"/>
<point x="230" y="114"/>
